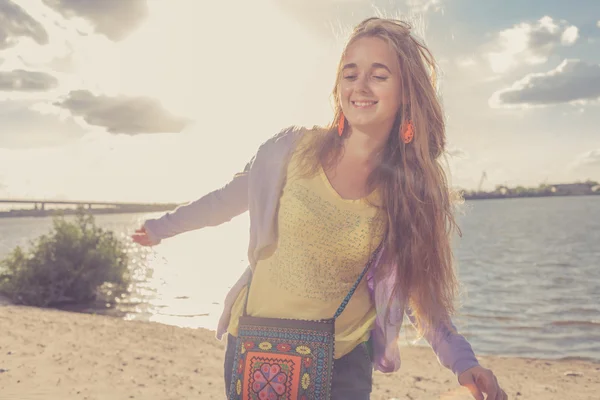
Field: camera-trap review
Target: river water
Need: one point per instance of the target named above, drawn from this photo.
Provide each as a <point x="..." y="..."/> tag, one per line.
<point x="530" y="270"/>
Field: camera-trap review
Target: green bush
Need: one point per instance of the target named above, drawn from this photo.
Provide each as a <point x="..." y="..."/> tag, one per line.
<point x="76" y="262"/>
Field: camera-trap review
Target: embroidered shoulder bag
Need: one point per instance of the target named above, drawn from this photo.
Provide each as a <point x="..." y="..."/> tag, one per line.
<point x="285" y="359"/>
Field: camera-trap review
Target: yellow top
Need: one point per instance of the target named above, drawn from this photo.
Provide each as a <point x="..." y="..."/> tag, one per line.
<point x="324" y="243"/>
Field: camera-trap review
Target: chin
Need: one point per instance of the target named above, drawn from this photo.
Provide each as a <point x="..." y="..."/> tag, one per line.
<point x="366" y="126"/>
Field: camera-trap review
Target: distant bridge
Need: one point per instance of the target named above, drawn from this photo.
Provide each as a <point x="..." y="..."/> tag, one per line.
<point x="39" y="207"/>
<point x="83" y="203"/>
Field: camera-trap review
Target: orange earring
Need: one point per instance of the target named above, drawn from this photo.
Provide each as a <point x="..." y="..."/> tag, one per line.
<point x="341" y="124"/>
<point x="407" y="132"/>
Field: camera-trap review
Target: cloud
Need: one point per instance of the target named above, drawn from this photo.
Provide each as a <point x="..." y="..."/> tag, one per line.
<point x="23" y="127"/>
<point x="129" y="115"/>
<point x="589" y="158"/>
<point x="424" y="5"/>
<point x="16" y="23"/>
<point x="465" y="62"/>
<point x="456" y="152"/>
<point x="26" y="81"/>
<point x="571" y="81"/>
<point x="113" y="18"/>
<point x="530" y="43"/>
<point x="338" y="17"/>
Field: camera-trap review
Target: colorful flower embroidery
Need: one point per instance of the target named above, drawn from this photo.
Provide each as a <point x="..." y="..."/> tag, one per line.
<point x="249" y="345"/>
<point x="238" y="387"/>
<point x="305" y="381"/>
<point x="303" y="350"/>
<point x="269" y="381"/>
<point x="284" y="347"/>
<point x="307" y="362"/>
<point x="265" y="346"/>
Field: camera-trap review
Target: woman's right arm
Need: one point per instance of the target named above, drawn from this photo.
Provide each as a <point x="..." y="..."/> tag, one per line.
<point x="212" y="209"/>
<point x="217" y="207"/>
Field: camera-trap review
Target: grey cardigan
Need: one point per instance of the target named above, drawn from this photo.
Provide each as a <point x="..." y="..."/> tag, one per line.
<point x="258" y="189"/>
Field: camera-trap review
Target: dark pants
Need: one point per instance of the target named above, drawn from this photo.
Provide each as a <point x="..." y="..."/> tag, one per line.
<point x="352" y="374"/>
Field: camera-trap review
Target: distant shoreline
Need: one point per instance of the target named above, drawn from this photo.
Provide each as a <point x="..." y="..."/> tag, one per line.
<point x="488" y="196"/>
<point x="22" y="213"/>
<point x="169" y="207"/>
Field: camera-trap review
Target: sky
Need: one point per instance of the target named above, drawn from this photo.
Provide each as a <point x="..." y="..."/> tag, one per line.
<point x="161" y="101"/>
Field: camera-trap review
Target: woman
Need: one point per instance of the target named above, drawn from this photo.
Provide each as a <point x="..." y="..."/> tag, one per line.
<point x="322" y="200"/>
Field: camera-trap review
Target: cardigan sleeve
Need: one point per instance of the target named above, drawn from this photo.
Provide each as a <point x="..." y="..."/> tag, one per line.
<point x="213" y="209"/>
<point x="451" y="348"/>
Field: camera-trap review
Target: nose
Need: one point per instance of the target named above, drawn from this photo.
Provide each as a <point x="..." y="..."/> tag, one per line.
<point x="362" y="83"/>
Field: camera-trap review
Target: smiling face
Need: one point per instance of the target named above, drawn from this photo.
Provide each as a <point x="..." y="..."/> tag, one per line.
<point x="369" y="86"/>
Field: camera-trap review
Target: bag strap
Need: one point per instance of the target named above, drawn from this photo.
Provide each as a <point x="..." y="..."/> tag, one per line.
<point x="348" y="296"/>
<point x="244" y="312"/>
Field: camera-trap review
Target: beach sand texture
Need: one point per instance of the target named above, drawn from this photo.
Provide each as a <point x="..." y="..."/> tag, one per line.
<point x="50" y="354"/>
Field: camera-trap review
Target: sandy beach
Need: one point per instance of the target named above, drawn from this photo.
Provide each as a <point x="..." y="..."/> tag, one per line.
<point x="49" y="354"/>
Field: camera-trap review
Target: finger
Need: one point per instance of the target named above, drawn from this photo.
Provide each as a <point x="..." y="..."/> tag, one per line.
<point x="495" y="387"/>
<point x="488" y="385"/>
<point x="475" y="392"/>
<point x="469" y="383"/>
<point x="503" y="395"/>
<point x="500" y="394"/>
<point x="141" y="239"/>
<point x="145" y="240"/>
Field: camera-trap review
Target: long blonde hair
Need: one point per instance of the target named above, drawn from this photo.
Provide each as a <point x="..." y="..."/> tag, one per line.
<point x="416" y="199"/>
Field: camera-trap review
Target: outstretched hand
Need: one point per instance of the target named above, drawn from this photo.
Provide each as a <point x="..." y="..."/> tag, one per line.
<point x="480" y="380"/>
<point x="141" y="237"/>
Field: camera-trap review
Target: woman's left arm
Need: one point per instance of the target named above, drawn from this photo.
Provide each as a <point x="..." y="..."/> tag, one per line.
<point x="455" y="353"/>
